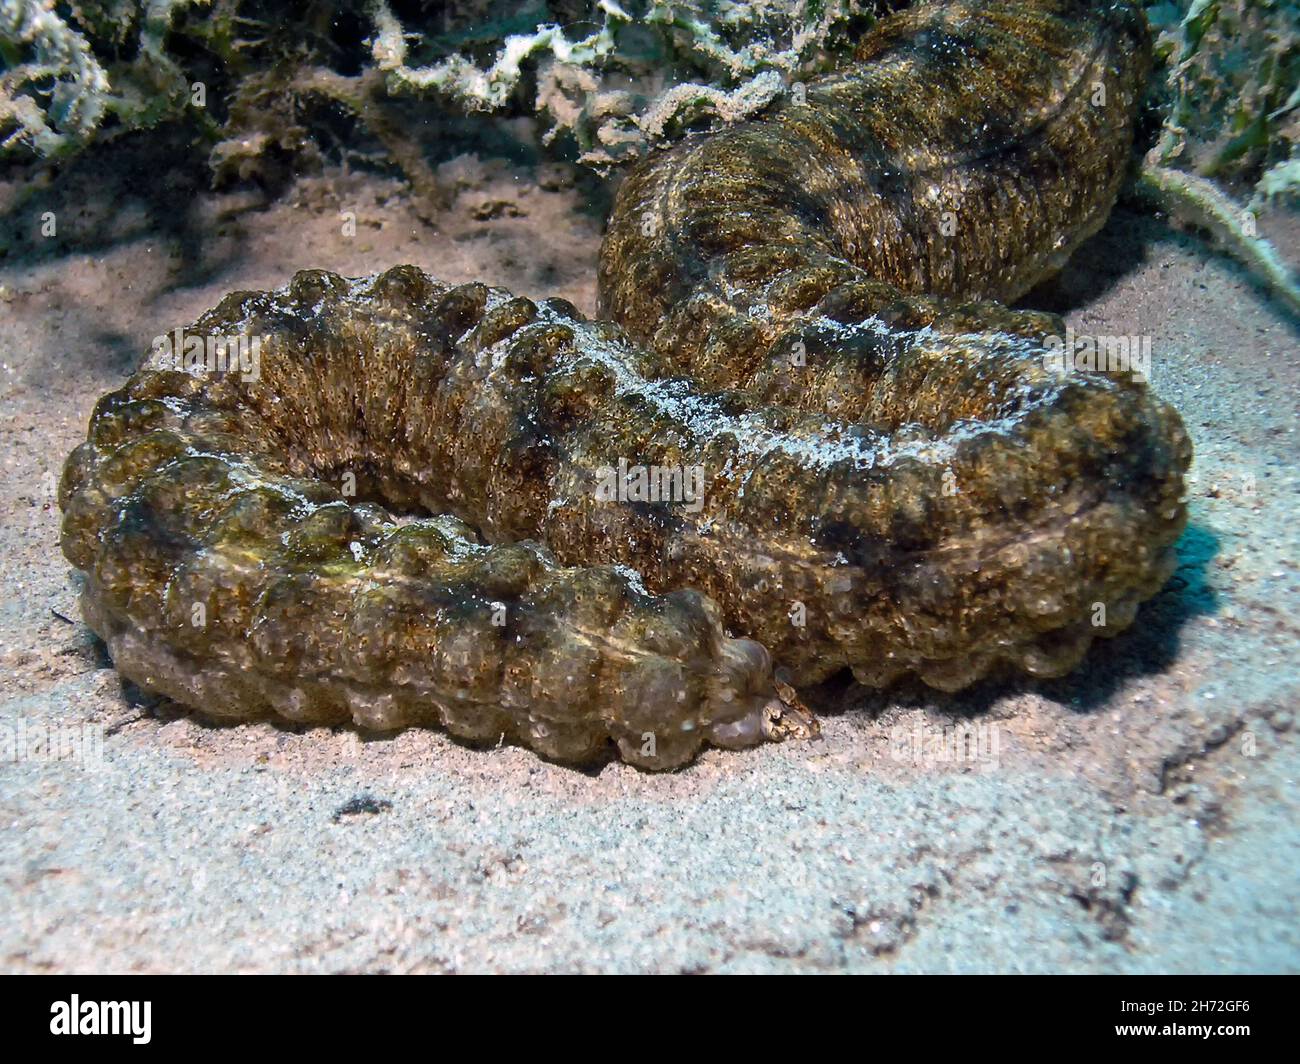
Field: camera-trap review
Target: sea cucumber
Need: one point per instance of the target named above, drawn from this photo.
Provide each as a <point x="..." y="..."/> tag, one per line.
<point x="895" y="480"/>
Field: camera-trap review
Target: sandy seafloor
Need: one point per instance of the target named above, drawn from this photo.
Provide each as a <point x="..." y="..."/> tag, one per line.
<point x="1140" y="815"/>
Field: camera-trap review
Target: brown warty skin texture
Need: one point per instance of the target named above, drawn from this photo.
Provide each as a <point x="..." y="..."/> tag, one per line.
<point x="895" y="480"/>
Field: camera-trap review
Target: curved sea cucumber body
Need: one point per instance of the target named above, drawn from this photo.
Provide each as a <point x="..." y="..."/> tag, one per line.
<point x="878" y="478"/>
<point x="230" y="567"/>
<point x="819" y="260"/>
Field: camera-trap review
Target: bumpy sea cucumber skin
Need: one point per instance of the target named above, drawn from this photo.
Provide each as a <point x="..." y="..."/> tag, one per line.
<point x="917" y="493"/>
<point x="993" y="504"/>
<point x="318" y="608"/>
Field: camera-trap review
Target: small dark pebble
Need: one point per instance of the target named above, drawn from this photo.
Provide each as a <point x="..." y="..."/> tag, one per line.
<point x="362" y="803"/>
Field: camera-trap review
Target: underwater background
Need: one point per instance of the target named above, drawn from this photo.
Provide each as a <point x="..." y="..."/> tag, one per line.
<point x="1139" y="814"/>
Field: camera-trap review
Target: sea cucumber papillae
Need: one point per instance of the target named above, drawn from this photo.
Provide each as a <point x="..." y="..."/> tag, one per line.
<point x="801" y="443"/>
